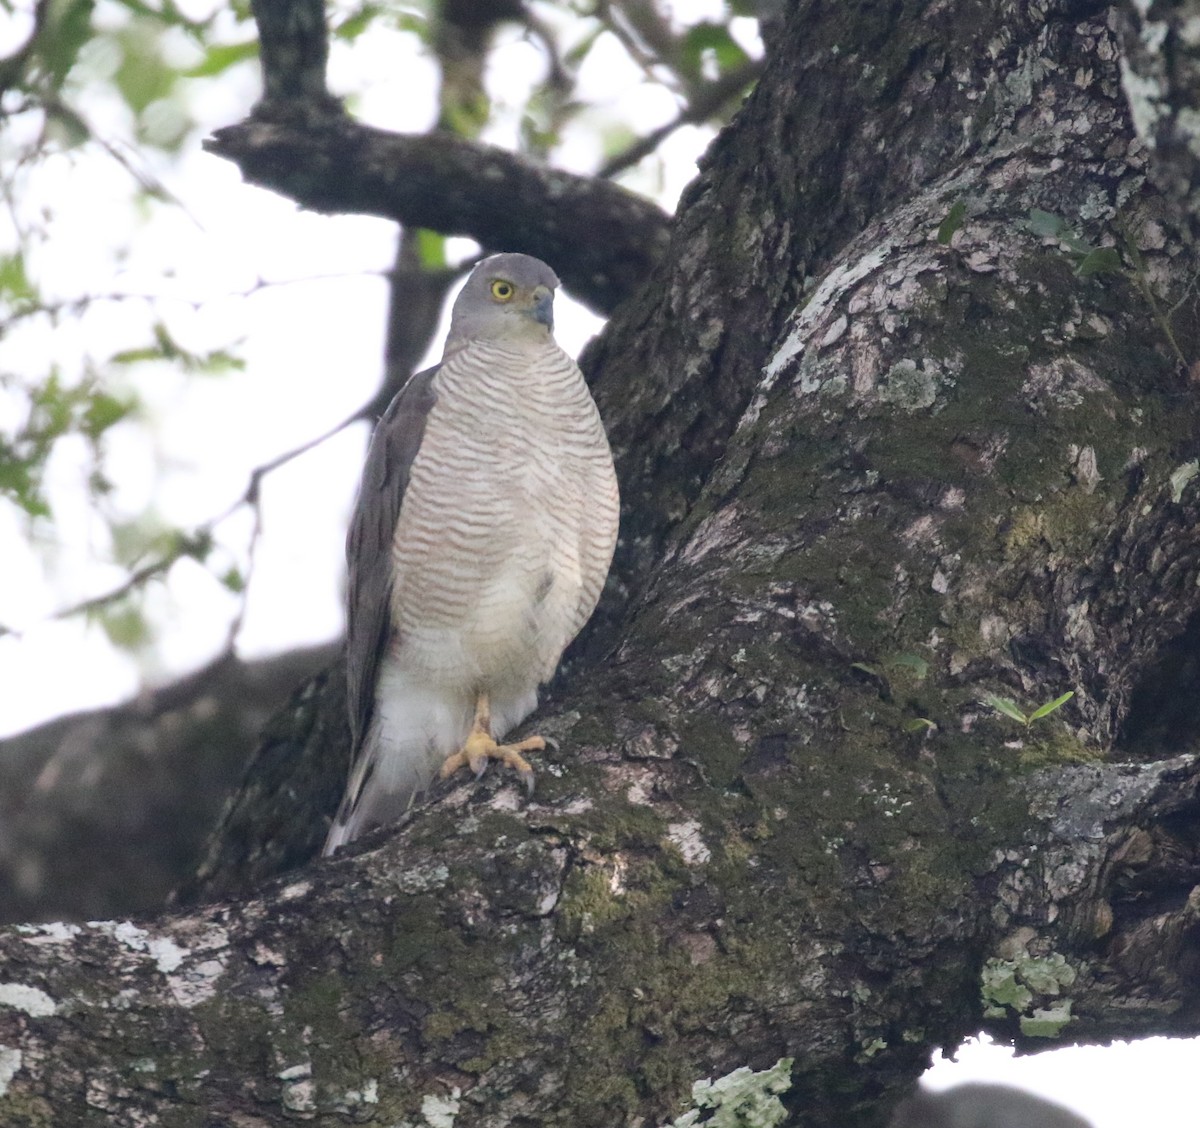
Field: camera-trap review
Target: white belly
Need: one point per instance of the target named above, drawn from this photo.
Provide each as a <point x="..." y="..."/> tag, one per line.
<point x="510" y="634"/>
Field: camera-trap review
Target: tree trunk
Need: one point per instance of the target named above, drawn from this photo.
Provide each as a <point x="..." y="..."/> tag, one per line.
<point x="903" y="420"/>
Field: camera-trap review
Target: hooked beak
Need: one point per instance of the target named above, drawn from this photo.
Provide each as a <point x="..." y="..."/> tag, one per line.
<point x="543" y="306"/>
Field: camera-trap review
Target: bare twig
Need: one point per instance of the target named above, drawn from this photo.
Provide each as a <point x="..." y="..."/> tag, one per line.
<point x="55" y="107"/>
<point x="81" y="302"/>
<point x="193" y="545"/>
<point x="198" y="541"/>
<point x="239" y="617"/>
<point x="701" y="108"/>
<point x="646" y="41"/>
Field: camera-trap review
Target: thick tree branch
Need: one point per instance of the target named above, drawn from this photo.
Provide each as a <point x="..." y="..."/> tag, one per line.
<point x="578" y="962"/>
<point x="602" y="239"/>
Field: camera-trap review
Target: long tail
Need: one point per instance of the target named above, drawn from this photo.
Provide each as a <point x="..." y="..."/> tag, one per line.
<point x="412" y="732"/>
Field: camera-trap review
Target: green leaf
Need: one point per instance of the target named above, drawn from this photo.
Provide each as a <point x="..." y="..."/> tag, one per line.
<point x="576" y="54"/>
<point x="1075" y="244"/>
<point x="431" y="246"/>
<point x="102" y="411"/>
<point x="416" y="22"/>
<point x="51" y="411"/>
<point x="1050" y="706"/>
<point x="912" y="662"/>
<point x="215" y="363"/>
<point x="1007" y="707"/>
<point x="918" y="724"/>
<point x="197" y="545"/>
<point x="165" y="347"/>
<point x="14" y="281"/>
<point x="19" y="484"/>
<point x="710" y="40"/>
<point x="1046" y="224"/>
<point x="220" y="57"/>
<point x="356" y="23"/>
<point x="952" y="222"/>
<point x="125" y="625"/>
<point x="68" y="28"/>
<point x="233" y="579"/>
<point x="143" y="76"/>
<point x="1102" y="260"/>
<point x="135" y="356"/>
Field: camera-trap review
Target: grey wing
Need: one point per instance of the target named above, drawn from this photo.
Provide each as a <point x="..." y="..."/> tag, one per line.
<point x="394" y="445"/>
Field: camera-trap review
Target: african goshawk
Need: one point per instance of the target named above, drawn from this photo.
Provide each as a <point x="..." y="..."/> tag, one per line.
<point x="484" y="529"/>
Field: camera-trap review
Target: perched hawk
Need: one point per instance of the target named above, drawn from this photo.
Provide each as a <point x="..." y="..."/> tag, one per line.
<point x="484" y="529"/>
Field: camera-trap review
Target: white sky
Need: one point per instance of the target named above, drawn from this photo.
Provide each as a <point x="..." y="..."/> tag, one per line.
<point x="313" y="344"/>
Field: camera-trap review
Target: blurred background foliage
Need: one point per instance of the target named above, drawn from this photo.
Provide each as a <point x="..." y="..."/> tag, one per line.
<point x="107" y="101"/>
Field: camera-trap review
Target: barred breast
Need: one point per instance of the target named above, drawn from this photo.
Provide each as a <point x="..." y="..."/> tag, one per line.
<point x="509" y="522"/>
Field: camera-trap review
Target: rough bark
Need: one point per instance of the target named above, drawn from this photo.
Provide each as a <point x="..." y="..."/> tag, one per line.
<point x="882" y="455"/>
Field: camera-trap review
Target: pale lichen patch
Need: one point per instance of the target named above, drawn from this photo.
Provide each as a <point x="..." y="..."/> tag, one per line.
<point x="1018" y="982"/>
<point x="32" y="1000"/>
<point x="741" y="1099"/>
<point x="124" y="932"/>
<point x="55" y="932"/>
<point x="300" y="1096"/>
<point x="1181" y="476"/>
<point x="166" y="953"/>
<point x="423" y="879"/>
<point x="10" y="1063"/>
<point x="354" y="1100"/>
<point x="197" y="981"/>
<point x="686" y="838"/>
<point x="816" y="309"/>
<point x="507" y="800"/>
<point x="577" y="806"/>
<point x="440" y="1112"/>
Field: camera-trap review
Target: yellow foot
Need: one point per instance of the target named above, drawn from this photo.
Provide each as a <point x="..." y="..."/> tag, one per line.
<point x="480" y="748"/>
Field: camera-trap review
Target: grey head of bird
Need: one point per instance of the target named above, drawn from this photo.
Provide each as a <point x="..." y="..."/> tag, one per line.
<point x="506" y="297"/>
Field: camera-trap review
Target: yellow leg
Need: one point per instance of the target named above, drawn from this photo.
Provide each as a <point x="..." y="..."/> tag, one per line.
<point x="480" y="747"/>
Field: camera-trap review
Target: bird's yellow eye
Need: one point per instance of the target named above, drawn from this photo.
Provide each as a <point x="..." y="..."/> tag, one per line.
<point x="502" y="290"/>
